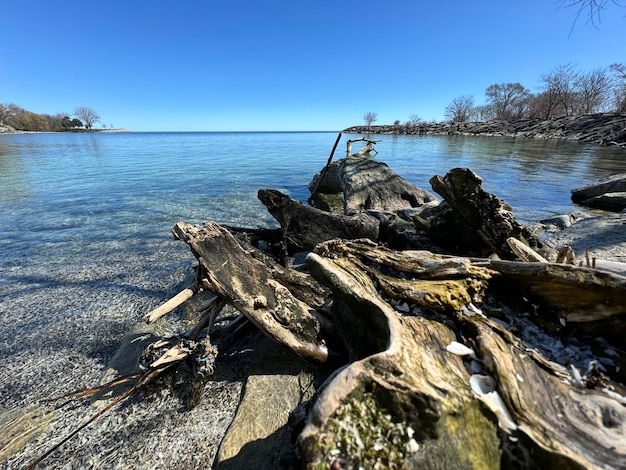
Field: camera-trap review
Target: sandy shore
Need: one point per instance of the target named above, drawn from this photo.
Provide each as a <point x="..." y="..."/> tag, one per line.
<point x="59" y="336"/>
<point x="603" y="235"/>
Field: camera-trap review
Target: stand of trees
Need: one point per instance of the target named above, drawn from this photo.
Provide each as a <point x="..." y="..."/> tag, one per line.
<point x="23" y="120"/>
<point x="563" y="92"/>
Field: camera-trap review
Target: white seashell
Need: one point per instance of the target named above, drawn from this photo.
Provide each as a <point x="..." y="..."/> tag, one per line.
<point x="460" y="349"/>
<point x="475" y="309"/>
<point x="495" y="404"/>
<point x="410" y="432"/>
<point x="412" y="446"/>
<point x="482" y="384"/>
<point x="576" y="377"/>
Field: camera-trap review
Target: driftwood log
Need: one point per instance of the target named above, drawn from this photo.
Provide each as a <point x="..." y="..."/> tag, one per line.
<point x="408" y="395"/>
<point x="449" y="360"/>
<point x="441" y="361"/>
<point x="481" y="214"/>
<point x="248" y="284"/>
<point x="303" y="227"/>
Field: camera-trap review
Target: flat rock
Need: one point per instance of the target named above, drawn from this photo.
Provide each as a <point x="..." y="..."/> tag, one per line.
<point x="277" y="383"/>
<point x="614" y="202"/>
<point x="371" y="185"/>
<point x="615" y="183"/>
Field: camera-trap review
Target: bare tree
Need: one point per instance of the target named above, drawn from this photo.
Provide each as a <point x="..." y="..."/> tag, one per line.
<point x="414" y="119"/>
<point x="619" y="86"/>
<point x="483" y="113"/>
<point x="592" y="91"/>
<point x="542" y="105"/>
<point x="593" y="8"/>
<point x="460" y="109"/>
<point x="87" y="115"/>
<point x="559" y="90"/>
<point x="8" y="111"/>
<point x="4" y="112"/>
<point x="369" y="118"/>
<point x="508" y="100"/>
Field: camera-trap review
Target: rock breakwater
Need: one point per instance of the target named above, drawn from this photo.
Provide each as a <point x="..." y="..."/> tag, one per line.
<point x="603" y="129"/>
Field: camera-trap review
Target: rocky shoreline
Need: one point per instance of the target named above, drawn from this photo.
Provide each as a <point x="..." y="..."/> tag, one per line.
<point x="602" y="128"/>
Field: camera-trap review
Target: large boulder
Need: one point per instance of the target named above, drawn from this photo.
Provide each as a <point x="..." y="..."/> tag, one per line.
<point x="371" y="185"/>
<point x="608" y="194"/>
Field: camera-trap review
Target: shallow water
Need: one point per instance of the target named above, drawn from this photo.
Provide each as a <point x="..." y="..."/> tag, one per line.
<point x="65" y="198"/>
<point x="60" y="191"/>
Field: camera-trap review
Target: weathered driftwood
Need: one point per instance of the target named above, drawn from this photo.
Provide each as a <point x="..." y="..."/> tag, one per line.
<point x="524" y="252"/>
<point x="363" y="151"/>
<point x="406" y="401"/>
<point x="234" y="275"/>
<point x="482" y="213"/>
<point x="170" y="305"/>
<point x="581" y="294"/>
<point x="303" y="227"/>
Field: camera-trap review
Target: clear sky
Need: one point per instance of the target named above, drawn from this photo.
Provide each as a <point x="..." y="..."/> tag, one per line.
<point x="205" y="65"/>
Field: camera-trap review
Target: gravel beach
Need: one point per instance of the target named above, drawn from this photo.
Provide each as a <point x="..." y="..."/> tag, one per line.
<point x="64" y="320"/>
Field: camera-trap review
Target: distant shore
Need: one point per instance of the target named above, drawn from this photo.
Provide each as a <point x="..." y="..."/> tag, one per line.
<point x="10" y="130"/>
<point x="603" y="128"/>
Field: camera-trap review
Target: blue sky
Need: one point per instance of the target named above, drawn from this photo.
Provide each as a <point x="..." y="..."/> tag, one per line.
<point x="204" y="65"/>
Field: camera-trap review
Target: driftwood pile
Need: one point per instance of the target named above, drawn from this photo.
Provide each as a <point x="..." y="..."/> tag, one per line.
<point x="456" y="339"/>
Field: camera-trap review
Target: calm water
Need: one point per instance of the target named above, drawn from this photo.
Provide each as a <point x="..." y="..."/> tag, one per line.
<point x="63" y="193"/>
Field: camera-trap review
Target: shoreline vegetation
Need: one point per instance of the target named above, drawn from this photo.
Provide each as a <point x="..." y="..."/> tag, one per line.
<point x="11" y="131"/>
<point x="600" y="128"/>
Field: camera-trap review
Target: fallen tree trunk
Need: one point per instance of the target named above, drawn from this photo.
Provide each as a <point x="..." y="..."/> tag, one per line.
<point x="303" y="227"/>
